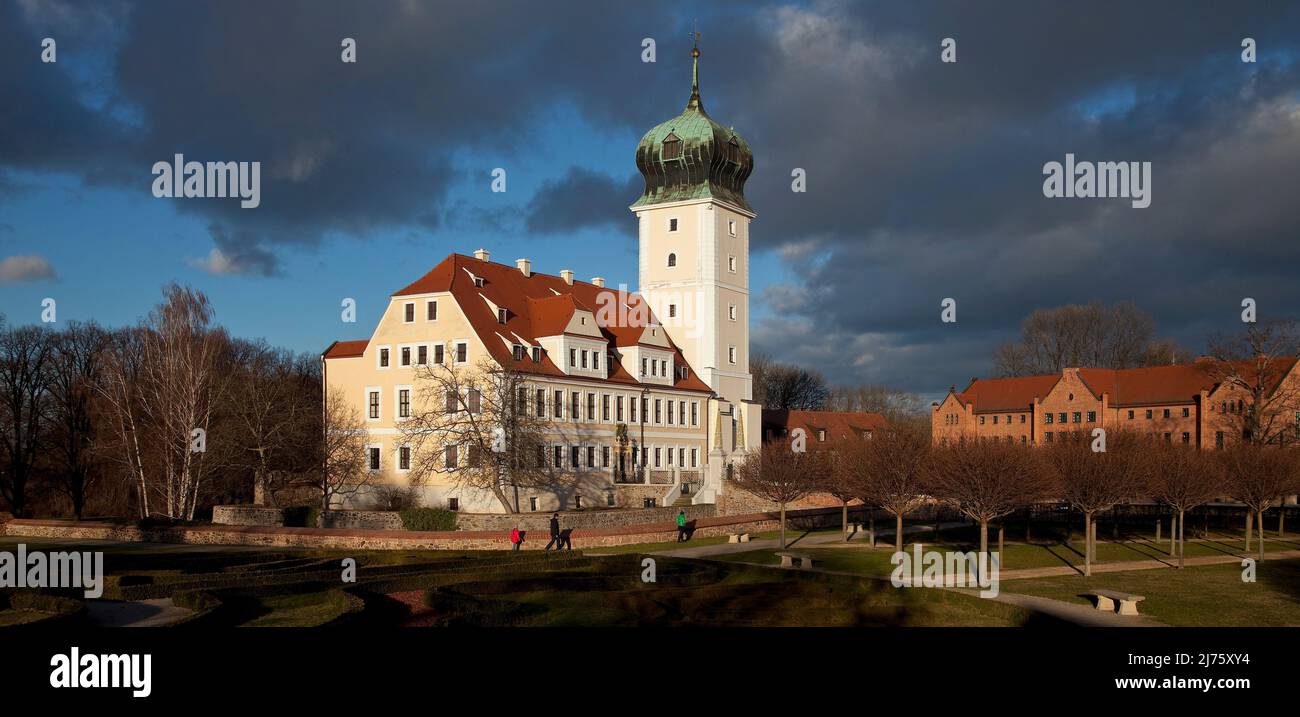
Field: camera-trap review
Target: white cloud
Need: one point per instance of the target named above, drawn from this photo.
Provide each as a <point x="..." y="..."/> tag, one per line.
<point x="25" y="268"/>
<point x="218" y="264"/>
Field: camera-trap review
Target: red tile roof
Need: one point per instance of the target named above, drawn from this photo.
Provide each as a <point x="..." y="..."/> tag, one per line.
<point x="539" y="305"/>
<point x="346" y="349"/>
<point x="838" y="425"/>
<point x="1007" y="394"/>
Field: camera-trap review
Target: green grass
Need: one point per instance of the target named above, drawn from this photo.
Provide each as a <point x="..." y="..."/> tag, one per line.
<point x="298" y="610"/>
<point x="1202" y="596"/>
<point x="20" y="617"/>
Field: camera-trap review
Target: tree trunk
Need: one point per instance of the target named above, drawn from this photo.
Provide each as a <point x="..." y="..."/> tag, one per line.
<point x="1087" y="543"/>
<point x="844" y="518"/>
<point x="1260" y="513"/>
<point x="1159" y="522"/>
<point x="1281" y="521"/>
<point x="1002" y="534"/>
<point x="1029" y="521"/>
<point x="871" y="529"/>
<point x="984" y="536"/>
<point x="783" y="526"/>
<point x="1182" y="538"/>
<point x="1250" y="519"/>
<point x="1173" y="535"/>
<point x="898" y="532"/>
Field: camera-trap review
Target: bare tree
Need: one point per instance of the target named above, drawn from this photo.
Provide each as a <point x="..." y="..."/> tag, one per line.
<point x="1097" y="480"/>
<point x="986" y="480"/>
<point x="275" y="403"/>
<point x="842" y="476"/>
<point x="343" y="469"/>
<point x="1255" y="365"/>
<point x="781" y="474"/>
<point x="1095" y="334"/>
<point x="75" y="373"/>
<point x="893" y="403"/>
<point x="786" y="386"/>
<point x="894" y="472"/>
<point x="482" y="428"/>
<point x="120" y="393"/>
<point x="179" y="387"/>
<point x="1183" y="478"/>
<point x="25" y="354"/>
<point x="1259" y="476"/>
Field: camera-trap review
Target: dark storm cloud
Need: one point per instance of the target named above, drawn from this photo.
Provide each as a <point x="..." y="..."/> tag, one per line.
<point x="583" y="199"/>
<point x="345" y="148"/>
<point x="924" y="179"/>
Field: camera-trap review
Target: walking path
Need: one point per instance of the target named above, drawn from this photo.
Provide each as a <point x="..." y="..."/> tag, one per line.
<point x="1126" y="565"/>
<point x="135" y="613"/>
<point x="799" y="540"/>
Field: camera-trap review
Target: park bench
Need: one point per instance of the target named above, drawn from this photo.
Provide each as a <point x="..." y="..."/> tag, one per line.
<point x="1106" y="600"/>
<point x="787" y="560"/>
<point x="738" y="538"/>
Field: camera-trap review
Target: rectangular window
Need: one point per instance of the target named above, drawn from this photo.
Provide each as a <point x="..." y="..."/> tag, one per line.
<point x="532" y="504"/>
<point x="404" y="403"/>
<point x="981" y="420"/>
<point x="383" y="358"/>
<point x="537" y="354"/>
<point x="452" y="401"/>
<point x="462" y="352"/>
<point x="1187" y="437"/>
<point x="1048" y="436"/>
<point x="1061" y="417"/>
<point x="1022" y="418"/>
<point x="502" y="316"/>
<point x="431" y="311"/>
<point x="695" y="454"/>
<point x="670" y="412"/>
<point x="731" y="354"/>
<point x="518" y="352"/>
<point x="604" y="407"/>
<point x="1078" y="417"/>
<point x="681" y="412"/>
<point x="575" y="407"/>
<point x="584" y="358"/>
<point x="422" y="355"/>
<point x="573" y="456"/>
<point x="1218" y="439"/>
<point x="695" y="413"/>
<point x="731" y="264"/>
<point x="659" y="410"/>
<point x="604" y="456"/>
<point x="559" y="457"/>
<point x="1048" y="418"/>
<point x="438" y="351"/>
<point x="591" y="407"/>
<point x="449" y="458"/>
<point x="1166" y="413"/>
<point x="672" y="221"/>
<point x="453" y="504"/>
<point x="618" y="409"/>
<point x="474" y="398"/>
<point x="374" y="404"/>
<point x="1148" y="414"/>
<point x="591" y="456"/>
<point x="404" y="458"/>
<point x="731" y="227"/>
<point x="731" y="312"/>
<point x="631" y="407"/>
<point x="409" y="315"/>
<point x="658" y="455"/>
<point x="557" y="406"/>
<point x="541" y="403"/>
<point x="995" y="420"/>
<point x="374" y="458"/>
<point x="1092" y="416"/>
<point x="406" y="355"/>
<point x="573" y="358"/>
<point x="1130" y="414"/>
<point x="670" y="456"/>
<point x="643" y="367"/>
<point x="595" y="360"/>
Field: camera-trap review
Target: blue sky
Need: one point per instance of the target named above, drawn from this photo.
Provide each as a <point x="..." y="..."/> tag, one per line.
<point x="924" y="178"/>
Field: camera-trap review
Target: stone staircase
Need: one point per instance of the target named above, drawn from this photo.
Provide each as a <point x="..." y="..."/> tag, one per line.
<point x="682" y="501"/>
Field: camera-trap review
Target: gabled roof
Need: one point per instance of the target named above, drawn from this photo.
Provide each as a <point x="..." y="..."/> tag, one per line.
<point x="1180" y="383"/>
<point x="540" y="305"/>
<point x="839" y="425"/>
<point x="1007" y="394"/>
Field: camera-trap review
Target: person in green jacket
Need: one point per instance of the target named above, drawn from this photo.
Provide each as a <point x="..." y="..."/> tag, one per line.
<point x="681" y="526"/>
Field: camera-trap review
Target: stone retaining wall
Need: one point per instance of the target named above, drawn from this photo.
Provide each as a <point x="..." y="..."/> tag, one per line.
<point x="540" y="521"/>
<point x="363" y="520"/>
<point x="247" y="515"/>
<point x="334" y="538"/>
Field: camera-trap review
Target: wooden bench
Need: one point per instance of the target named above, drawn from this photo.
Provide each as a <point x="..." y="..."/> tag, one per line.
<point x="787" y="560"/>
<point x="1107" y="599"/>
<point x="738" y="538"/>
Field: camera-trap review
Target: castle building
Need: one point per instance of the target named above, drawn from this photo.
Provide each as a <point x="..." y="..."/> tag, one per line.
<point x="663" y="372"/>
<point x="1185" y="403"/>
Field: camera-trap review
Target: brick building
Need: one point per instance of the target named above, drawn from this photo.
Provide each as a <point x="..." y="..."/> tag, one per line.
<point x="1188" y="403"/>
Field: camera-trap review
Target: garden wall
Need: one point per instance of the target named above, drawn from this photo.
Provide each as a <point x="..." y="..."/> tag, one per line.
<point x="540" y="521"/>
<point x="247" y="515"/>
<point x="335" y="538"/>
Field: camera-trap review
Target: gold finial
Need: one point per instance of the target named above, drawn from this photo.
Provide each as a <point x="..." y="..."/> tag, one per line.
<point x="694" y="102"/>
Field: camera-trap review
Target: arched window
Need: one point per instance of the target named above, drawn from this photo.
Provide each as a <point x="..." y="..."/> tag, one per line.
<point x="672" y="260"/>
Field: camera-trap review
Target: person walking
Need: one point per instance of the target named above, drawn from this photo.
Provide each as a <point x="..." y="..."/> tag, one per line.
<point x="516" y="538"/>
<point x="555" y="532"/>
<point x="681" y="526"/>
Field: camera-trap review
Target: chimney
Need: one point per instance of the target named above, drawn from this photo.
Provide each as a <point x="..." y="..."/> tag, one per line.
<point x="567" y="275"/>
<point x="482" y="254"/>
<point x="598" y="281"/>
<point x="525" y="266"/>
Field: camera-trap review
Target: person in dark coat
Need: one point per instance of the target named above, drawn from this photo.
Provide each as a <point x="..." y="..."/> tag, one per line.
<point x="555" y="532"/>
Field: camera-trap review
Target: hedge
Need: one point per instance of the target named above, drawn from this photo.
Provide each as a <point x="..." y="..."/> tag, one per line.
<point x="427" y="519"/>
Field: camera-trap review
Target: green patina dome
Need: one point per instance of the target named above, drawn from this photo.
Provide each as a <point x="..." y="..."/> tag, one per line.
<point x="693" y="157"/>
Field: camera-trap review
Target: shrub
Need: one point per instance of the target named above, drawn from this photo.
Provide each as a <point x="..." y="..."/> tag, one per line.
<point x="428" y="519"/>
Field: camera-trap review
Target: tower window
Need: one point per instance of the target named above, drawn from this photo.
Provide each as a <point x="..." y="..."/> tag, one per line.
<point x="731" y="227"/>
<point x="731" y="354"/>
<point x="672" y="310"/>
<point x="731" y="312"/>
<point x="672" y="147"/>
<point x="672" y="224"/>
<point x="672" y="260"/>
<point x="731" y="264"/>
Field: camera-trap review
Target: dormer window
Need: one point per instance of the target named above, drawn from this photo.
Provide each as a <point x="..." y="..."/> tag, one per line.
<point x="519" y="352"/>
<point x="733" y="150"/>
<point x="537" y="354"/>
<point x="501" y="316"/>
<point x="478" y="281"/>
<point x="672" y="146"/>
<point x="672" y="260"/>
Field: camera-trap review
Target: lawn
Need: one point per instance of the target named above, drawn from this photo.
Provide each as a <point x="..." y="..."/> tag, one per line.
<point x="1203" y="596"/>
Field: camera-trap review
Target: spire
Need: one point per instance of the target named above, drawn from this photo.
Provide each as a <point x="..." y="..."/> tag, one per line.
<point x="694" y="103"/>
